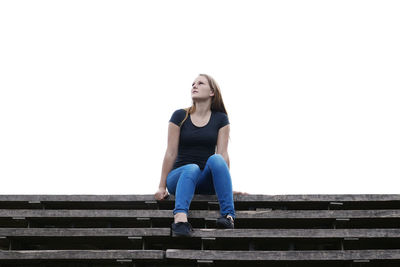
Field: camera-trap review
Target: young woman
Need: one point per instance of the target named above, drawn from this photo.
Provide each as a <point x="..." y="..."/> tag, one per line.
<point x="196" y="160"/>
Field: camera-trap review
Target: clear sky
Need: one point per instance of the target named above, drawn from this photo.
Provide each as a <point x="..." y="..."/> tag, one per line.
<point x="312" y="91"/>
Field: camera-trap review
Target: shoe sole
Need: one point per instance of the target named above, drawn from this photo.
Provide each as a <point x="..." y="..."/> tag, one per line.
<point x="181" y="235"/>
<point x="223" y="226"/>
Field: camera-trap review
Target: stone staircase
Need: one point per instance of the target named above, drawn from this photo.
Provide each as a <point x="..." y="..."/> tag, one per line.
<point x="134" y="230"/>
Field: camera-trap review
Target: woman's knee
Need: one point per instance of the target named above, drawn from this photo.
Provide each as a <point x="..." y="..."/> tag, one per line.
<point x="217" y="160"/>
<point x="192" y="167"/>
<point x="192" y="171"/>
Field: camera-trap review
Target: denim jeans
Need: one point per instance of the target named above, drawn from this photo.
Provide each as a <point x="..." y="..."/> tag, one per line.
<point x="187" y="180"/>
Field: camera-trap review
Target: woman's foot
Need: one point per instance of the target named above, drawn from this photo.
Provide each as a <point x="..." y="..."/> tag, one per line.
<point x="182" y="229"/>
<point x="181" y="226"/>
<point x="226" y="222"/>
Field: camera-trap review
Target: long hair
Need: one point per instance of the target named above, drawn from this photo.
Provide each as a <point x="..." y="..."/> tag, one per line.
<point x="217" y="104"/>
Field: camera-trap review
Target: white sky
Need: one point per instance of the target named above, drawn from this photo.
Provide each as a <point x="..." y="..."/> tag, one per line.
<point x="312" y="90"/>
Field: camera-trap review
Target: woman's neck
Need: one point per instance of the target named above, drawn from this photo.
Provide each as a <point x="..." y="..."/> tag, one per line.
<point x="203" y="109"/>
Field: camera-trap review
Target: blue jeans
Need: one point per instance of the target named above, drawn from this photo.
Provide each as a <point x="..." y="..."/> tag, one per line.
<point x="187" y="180"/>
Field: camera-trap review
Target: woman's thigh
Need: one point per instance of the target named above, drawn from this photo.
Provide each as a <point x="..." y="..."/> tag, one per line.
<point x="174" y="175"/>
<point x="215" y="165"/>
<point x="205" y="183"/>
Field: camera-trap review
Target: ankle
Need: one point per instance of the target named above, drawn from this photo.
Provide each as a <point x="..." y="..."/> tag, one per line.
<point x="230" y="217"/>
<point x="180" y="217"/>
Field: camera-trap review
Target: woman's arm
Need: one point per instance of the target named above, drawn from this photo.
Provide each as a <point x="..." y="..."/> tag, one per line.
<point x="222" y="143"/>
<point x="169" y="159"/>
<point x="222" y="148"/>
<point x="168" y="163"/>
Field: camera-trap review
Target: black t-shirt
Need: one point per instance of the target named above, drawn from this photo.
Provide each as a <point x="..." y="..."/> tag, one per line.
<point x="197" y="144"/>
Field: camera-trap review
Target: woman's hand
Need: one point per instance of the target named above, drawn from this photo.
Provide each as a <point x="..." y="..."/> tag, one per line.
<point x="239" y="193"/>
<point x="161" y="193"/>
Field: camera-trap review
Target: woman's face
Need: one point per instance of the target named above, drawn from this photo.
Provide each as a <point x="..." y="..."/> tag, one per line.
<point x="201" y="89"/>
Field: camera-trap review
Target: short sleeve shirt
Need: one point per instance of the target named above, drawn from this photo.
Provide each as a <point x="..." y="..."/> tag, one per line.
<point x="197" y="144"/>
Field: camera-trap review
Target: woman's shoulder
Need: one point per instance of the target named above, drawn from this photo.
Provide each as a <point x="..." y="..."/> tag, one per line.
<point x="179" y="111"/>
<point x="220" y="114"/>
<point x="221" y="118"/>
<point x="178" y="114"/>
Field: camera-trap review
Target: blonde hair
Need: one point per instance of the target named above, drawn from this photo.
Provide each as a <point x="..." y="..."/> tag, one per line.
<point x="217" y="104"/>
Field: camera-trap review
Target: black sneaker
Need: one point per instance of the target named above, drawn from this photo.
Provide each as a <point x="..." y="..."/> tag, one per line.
<point x="225" y="222"/>
<point x="182" y="229"/>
